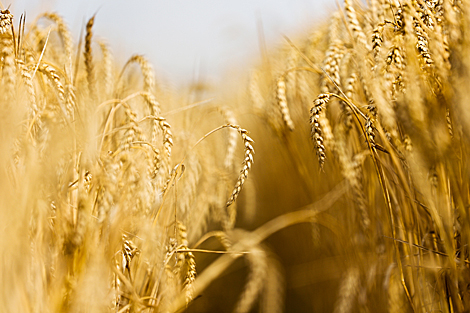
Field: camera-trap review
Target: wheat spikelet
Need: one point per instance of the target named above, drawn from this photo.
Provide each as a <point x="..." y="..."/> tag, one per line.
<point x="377" y="11"/>
<point x="89" y="58"/>
<point x="316" y="129"/>
<point x="64" y="33"/>
<point x="52" y="75"/>
<point x="334" y="29"/>
<point x="255" y="93"/>
<point x="7" y="54"/>
<point x="6" y="19"/>
<point x="167" y="135"/>
<point x="331" y="65"/>
<point x="422" y="47"/>
<point x="189" y="260"/>
<point x="399" y="25"/>
<point x="282" y="102"/>
<point x="377" y="40"/>
<point x="247" y="162"/>
<point x="257" y="260"/>
<point x="164" y="168"/>
<point x="128" y="251"/>
<point x="369" y="127"/>
<point x="229" y="118"/>
<point x="147" y="71"/>
<point x="154" y="107"/>
<point x="28" y="82"/>
<point x="70" y="100"/>
<point x="450" y="128"/>
<point x="349" y="91"/>
<point x="133" y="132"/>
<point x="107" y="68"/>
<point x="354" y="24"/>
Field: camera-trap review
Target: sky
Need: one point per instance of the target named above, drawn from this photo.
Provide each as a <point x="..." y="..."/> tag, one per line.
<point x="185" y="39"/>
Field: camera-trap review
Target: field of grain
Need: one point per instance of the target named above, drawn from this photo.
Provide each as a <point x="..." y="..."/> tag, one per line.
<point x="335" y="178"/>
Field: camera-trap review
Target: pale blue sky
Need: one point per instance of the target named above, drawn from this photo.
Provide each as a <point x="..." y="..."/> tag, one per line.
<point x="183" y="36"/>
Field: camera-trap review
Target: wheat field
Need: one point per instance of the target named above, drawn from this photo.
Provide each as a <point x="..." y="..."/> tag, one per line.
<point x="333" y="178"/>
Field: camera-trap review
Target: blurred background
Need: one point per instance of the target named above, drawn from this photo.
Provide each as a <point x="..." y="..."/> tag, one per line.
<point x="186" y="40"/>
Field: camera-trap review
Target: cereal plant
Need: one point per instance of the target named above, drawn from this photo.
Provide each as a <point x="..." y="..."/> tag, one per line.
<point x="120" y="194"/>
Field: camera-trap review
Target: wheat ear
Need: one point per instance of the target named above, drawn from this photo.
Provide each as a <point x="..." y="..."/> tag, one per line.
<point x="188" y="259"/>
<point x="316" y="127"/>
<point x="7" y="53"/>
<point x="229" y="118"/>
<point x="89" y="57"/>
<point x="354" y="24"/>
<point x="247" y="162"/>
<point x="282" y="102"/>
<point x="147" y="71"/>
<point x="63" y="32"/>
